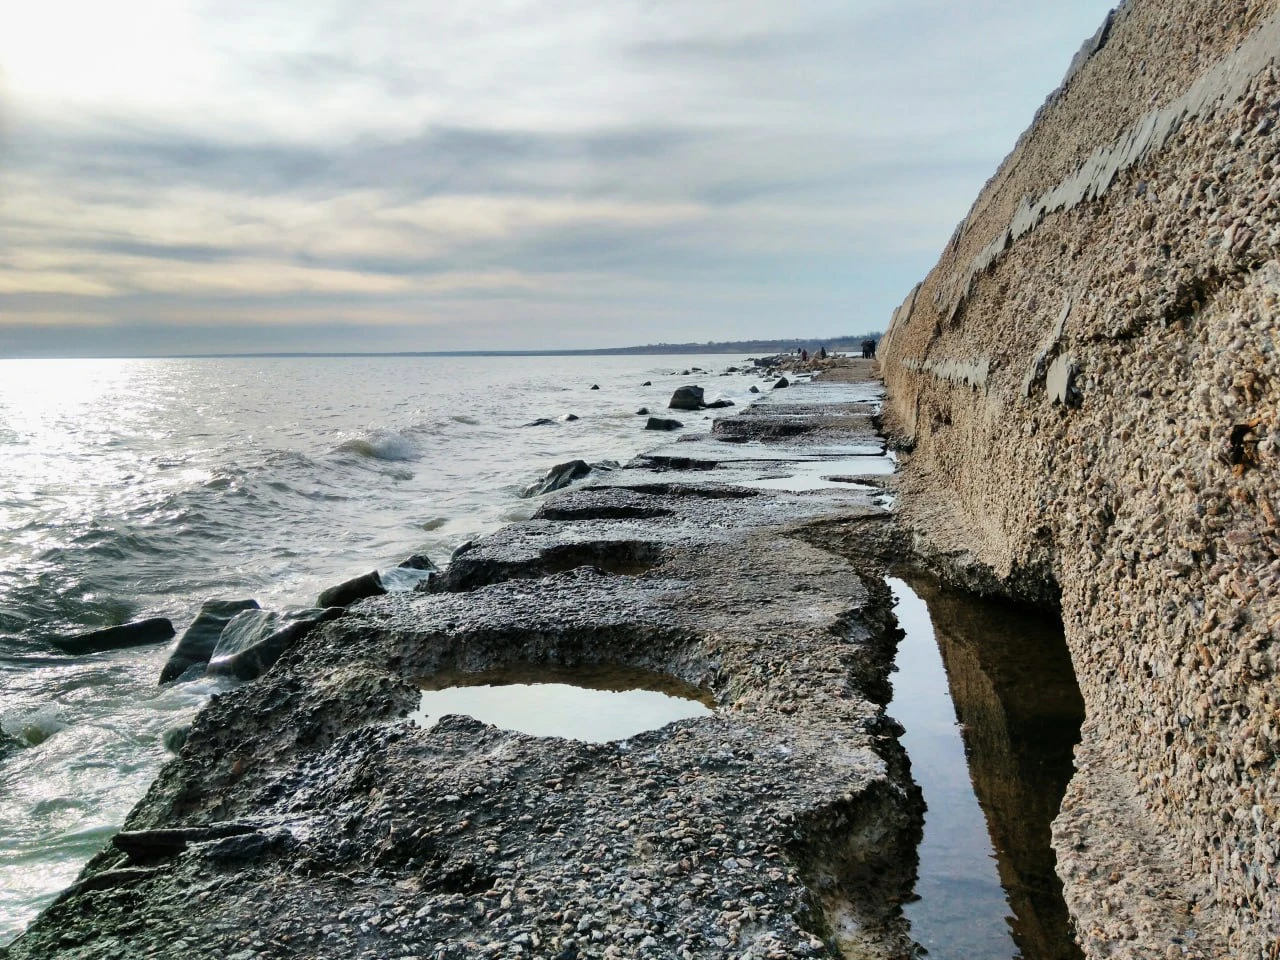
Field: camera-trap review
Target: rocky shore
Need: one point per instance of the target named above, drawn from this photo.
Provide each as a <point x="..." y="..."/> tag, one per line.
<point x="307" y="814"/>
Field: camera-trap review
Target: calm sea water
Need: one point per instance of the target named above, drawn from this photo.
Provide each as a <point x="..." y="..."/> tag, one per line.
<point x="134" y="488"/>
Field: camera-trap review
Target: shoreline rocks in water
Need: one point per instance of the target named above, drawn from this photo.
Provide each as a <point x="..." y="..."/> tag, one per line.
<point x="563" y="474"/>
<point x="254" y="640"/>
<point x="351" y="591"/>
<point x="198" y="641"/>
<point x="686" y="398"/>
<point x="136" y="634"/>
<point x="663" y="423"/>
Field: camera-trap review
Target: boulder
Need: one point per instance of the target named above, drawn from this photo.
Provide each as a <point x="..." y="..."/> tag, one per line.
<point x="198" y="641"/>
<point x="419" y="561"/>
<point x="255" y="639"/>
<point x="558" y="477"/>
<point x="662" y="423"/>
<point x="135" y="634"/>
<point x="754" y="389"/>
<point x="540" y="422"/>
<point x="782" y="382"/>
<point x="569" y="418"/>
<point x="686" y="398"/>
<point x="647" y="383"/>
<point x="349" y="591"/>
<point x="719" y="404"/>
<point x="595" y="386"/>
<point x="563" y="474"/>
<point x="642" y="412"/>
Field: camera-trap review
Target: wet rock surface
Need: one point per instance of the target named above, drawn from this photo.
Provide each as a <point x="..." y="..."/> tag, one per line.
<point x="255" y="639"/>
<point x="137" y="633"/>
<point x="350" y="591"/>
<point x="307" y="817"/>
<point x="198" y="641"/>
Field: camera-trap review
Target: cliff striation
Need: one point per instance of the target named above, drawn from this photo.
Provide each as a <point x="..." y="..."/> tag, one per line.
<point x="1087" y="385"/>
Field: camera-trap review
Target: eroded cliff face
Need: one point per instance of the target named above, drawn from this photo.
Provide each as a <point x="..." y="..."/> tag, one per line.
<point x="1089" y="378"/>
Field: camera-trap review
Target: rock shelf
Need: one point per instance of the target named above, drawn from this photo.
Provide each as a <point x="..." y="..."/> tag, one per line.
<point x="316" y="819"/>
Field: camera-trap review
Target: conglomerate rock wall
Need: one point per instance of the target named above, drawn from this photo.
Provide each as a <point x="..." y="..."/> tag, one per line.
<point x="1087" y="382"/>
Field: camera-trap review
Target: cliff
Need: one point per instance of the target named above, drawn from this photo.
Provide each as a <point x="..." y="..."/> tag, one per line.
<point x="1086" y="384"/>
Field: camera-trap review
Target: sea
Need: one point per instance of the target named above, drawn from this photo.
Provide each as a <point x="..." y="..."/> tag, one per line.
<point x="138" y="488"/>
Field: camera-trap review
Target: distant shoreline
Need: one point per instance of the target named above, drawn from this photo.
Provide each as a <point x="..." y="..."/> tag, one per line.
<point x="761" y="347"/>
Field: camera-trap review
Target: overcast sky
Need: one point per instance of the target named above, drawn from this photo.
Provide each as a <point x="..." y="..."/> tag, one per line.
<point x="240" y="175"/>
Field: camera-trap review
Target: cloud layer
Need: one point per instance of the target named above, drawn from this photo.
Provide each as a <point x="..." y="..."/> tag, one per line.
<point x="396" y="175"/>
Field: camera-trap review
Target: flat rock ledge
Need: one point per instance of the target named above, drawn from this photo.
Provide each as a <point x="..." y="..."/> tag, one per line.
<point x="308" y="816"/>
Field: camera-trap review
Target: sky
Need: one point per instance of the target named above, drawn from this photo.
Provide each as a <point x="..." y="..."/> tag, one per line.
<point x="183" y="176"/>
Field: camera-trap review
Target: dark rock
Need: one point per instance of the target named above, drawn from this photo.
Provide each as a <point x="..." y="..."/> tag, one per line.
<point x="136" y="634"/>
<point x="198" y="641"/>
<point x="720" y="404"/>
<point x="175" y="738"/>
<point x="558" y="477"/>
<point x="595" y="386"/>
<point x="349" y="591"/>
<point x="540" y="422"/>
<point x="662" y="423"/>
<point x="642" y="412"/>
<point x="255" y="639"/>
<point x="460" y="549"/>
<point x="782" y="382"/>
<point x="9" y="745"/>
<point x="239" y="848"/>
<point x="647" y="383"/>
<point x="419" y="561"/>
<point x="143" y="845"/>
<point x="686" y="398"/>
<point x="754" y="389"/>
<point x="411" y="574"/>
<point x="569" y="418"/>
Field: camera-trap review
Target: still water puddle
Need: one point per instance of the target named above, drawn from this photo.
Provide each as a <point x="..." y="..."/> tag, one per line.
<point x="804" y="477"/>
<point x="593" y="704"/>
<point x="991" y="710"/>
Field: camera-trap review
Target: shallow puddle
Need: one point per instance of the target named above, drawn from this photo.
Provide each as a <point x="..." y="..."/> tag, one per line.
<point x="593" y="704"/>
<point x="991" y="710"/>
<point x="802" y="477"/>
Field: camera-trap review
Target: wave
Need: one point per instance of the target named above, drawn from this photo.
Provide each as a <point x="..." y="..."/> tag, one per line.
<point x="380" y="445"/>
<point x="33" y="726"/>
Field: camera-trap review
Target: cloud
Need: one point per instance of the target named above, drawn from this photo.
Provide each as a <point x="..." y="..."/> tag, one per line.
<point x="598" y="170"/>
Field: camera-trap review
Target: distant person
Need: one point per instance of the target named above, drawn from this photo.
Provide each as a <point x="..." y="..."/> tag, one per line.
<point x="804" y="356"/>
<point x="868" y="349"/>
<point x="822" y="352"/>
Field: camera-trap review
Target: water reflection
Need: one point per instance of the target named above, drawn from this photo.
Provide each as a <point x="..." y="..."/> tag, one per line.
<point x="992" y="711"/>
<point x="593" y="704"/>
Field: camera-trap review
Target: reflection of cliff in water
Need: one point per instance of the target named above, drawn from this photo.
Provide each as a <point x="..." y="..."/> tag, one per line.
<point x="1020" y="711"/>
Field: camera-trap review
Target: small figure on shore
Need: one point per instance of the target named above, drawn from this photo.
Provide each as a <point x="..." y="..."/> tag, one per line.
<point x="822" y="352"/>
<point x="868" y="349"/>
<point x="804" y="356"/>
